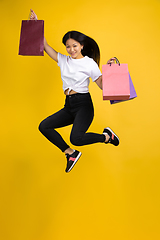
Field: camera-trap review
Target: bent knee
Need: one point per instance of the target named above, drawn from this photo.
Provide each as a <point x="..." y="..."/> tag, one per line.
<point x="41" y="127"/>
<point x="77" y="141"/>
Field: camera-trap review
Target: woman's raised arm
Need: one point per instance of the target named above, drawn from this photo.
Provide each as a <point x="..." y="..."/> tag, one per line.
<point x="48" y="49"/>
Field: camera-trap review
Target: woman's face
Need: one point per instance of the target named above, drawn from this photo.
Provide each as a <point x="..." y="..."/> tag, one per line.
<point x="74" y="48"/>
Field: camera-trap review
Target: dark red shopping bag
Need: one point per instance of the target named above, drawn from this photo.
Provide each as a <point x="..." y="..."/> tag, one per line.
<point x="32" y="38"/>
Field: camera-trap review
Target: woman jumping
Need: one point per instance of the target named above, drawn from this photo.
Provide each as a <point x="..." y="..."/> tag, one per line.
<point x="76" y="69"/>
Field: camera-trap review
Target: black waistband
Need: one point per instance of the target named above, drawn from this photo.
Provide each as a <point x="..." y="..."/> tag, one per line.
<point x="77" y="94"/>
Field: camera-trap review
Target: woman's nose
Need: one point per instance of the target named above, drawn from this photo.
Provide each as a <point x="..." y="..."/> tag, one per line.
<point x="72" y="49"/>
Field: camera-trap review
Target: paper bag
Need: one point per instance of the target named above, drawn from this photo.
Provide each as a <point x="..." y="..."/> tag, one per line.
<point x="32" y="38"/>
<point x="133" y="93"/>
<point x="115" y="82"/>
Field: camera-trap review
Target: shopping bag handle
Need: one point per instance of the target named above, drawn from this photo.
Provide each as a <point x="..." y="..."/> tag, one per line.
<point x="117" y="61"/>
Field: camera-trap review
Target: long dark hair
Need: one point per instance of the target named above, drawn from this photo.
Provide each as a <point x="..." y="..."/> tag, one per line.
<point x="90" y="47"/>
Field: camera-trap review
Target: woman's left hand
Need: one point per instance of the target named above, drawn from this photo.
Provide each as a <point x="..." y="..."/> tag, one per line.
<point x="111" y="61"/>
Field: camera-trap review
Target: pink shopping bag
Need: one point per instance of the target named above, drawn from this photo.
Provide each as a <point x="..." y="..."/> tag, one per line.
<point x="133" y="93"/>
<point x="32" y="38"/>
<point x="115" y="82"/>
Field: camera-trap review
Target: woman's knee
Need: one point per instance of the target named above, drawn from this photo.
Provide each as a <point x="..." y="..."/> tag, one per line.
<point x="41" y="127"/>
<point x="76" y="140"/>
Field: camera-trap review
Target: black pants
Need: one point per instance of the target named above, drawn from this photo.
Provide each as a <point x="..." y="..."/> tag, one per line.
<point x="78" y="110"/>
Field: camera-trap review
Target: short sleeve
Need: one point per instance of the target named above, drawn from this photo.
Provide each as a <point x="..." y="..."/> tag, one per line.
<point x="95" y="71"/>
<point x="61" y="59"/>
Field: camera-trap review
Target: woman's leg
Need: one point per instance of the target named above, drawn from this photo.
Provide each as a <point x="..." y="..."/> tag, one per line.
<point x="83" y="118"/>
<point x="79" y="136"/>
<point x="47" y="127"/>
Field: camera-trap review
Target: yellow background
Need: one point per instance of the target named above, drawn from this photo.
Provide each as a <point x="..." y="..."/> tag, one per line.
<point x="113" y="192"/>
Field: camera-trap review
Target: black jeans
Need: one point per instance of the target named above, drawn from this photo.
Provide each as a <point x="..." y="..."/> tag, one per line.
<point x="78" y="110"/>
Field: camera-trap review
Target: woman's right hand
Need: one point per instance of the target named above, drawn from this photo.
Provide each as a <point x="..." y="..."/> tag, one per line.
<point x="33" y="16"/>
<point x="49" y="50"/>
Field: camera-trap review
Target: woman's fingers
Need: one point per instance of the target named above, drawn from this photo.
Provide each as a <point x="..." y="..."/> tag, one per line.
<point x="111" y="61"/>
<point x="33" y="16"/>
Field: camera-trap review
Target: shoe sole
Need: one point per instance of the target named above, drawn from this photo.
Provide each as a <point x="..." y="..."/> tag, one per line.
<point x="77" y="158"/>
<point x="112" y="132"/>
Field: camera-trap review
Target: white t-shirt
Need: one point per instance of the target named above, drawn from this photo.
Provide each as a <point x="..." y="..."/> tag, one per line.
<point x="75" y="73"/>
